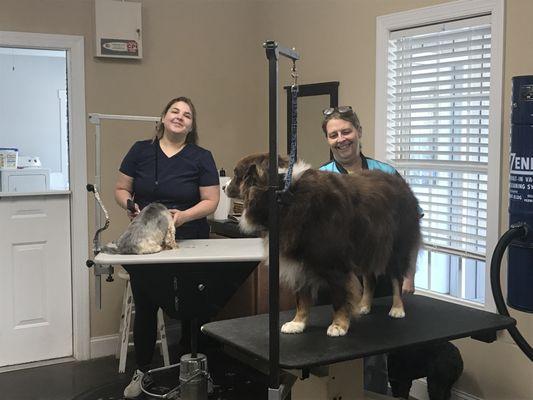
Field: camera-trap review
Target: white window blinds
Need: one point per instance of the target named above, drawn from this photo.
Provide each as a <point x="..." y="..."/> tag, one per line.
<point x="438" y="125"/>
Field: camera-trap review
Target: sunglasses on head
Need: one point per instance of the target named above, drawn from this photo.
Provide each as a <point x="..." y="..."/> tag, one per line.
<point x="342" y="110"/>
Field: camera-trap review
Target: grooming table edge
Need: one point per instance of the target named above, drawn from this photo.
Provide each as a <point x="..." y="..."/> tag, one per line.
<point x="427" y="321"/>
<point x="194" y="251"/>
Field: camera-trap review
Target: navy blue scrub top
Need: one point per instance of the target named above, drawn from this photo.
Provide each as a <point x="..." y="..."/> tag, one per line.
<point x="173" y="181"/>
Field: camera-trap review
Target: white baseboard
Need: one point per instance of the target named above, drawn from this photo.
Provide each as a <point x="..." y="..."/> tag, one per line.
<point x="103" y="346"/>
<point x="419" y="391"/>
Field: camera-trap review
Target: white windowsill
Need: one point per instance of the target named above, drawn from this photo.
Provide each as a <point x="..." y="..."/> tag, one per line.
<point x="450" y="299"/>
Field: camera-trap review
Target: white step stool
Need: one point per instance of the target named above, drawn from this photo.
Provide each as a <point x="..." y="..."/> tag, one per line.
<point x="125" y="324"/>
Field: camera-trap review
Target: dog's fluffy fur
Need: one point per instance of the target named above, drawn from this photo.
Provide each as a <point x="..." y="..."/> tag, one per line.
<point x="151" y="231"/>
<point x="333" y="228"/>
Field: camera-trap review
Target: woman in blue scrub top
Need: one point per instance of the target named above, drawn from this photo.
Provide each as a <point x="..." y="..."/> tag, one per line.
<point x="173" y="170"/>
<point x="343" y="133"/>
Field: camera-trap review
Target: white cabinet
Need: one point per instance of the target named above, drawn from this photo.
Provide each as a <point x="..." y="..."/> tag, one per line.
<point x="24" y="180"/>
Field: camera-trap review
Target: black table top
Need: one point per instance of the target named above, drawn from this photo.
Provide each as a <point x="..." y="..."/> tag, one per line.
<point x="427" y="321"/>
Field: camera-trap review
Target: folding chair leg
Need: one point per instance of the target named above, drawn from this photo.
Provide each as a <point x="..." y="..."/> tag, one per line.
<point x="125" y="332"/>
<point x="162" y="337"/>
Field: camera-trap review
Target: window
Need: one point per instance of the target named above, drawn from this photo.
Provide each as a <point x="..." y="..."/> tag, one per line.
<point x="33" y="89"/>
<point x="440" y="133"/>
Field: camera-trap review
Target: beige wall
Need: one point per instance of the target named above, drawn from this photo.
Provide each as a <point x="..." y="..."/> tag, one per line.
<point x="211" y="51"/>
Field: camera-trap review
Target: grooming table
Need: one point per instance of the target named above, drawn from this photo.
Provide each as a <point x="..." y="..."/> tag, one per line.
<point x="213" y="251"/>
<point x="427" y="321"/>
<point x="209" y="271"/>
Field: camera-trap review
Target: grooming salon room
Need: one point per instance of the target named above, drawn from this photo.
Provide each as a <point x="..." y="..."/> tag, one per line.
<point x="266" y="199"/>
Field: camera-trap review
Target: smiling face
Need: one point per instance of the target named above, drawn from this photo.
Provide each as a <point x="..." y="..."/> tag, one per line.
<point x="344" y="140"/>
<point x="178" y="120"/>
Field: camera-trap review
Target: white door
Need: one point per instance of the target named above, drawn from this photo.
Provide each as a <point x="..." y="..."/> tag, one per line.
<point x="44" y="285"/>
<point x="35" y="279"/>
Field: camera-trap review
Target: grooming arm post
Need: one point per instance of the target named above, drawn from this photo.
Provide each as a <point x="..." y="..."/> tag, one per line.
<point x="273" y="50"/>
<point x="99" y="270"/>
<point x="95" y="119"/>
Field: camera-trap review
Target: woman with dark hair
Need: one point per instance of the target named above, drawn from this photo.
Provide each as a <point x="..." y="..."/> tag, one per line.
<point x="173" y="170"/>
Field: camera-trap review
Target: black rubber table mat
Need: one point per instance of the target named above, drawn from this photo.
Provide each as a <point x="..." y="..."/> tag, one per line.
<point x="427" y="321"/>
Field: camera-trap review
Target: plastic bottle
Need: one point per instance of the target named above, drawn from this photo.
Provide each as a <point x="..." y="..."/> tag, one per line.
<point x="224" y="204"/>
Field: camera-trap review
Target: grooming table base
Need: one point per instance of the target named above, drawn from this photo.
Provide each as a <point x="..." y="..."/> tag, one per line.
<point x="427" y="321"/>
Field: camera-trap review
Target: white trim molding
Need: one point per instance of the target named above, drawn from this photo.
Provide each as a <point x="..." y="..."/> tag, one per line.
<point x="74" y="46"/>
<point x="495" y="10"/>
<point x="104" y="346"/>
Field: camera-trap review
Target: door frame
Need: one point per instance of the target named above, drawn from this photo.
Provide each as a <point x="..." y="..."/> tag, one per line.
<point x="74" y="45"/>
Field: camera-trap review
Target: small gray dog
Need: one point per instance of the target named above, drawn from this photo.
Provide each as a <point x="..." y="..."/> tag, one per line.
<point x="151" y="231"/>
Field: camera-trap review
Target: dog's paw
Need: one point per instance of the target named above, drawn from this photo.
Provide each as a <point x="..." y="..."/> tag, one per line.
<point x="335" y="330"/>
<point x="397" y="312"/>
<point x="364" y="309"/>
<point x="292" y="327"/>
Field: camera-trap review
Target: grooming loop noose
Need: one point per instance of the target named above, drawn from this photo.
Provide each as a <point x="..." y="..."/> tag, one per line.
<point x="293" y="132"/>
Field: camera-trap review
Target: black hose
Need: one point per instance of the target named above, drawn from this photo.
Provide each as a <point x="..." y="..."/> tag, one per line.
<point x="515" y="232"/>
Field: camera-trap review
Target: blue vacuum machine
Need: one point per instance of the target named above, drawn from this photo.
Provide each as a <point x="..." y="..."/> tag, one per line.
<point x="519" y="237"/>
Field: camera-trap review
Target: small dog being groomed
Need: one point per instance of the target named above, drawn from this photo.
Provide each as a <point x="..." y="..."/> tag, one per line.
<point x="441" y="363"/>
<point x="151" y="231"/>
<point x="333" y="228"/>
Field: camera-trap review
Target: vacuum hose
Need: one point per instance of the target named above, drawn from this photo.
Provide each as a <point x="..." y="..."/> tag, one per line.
<point x="516" y="231"/>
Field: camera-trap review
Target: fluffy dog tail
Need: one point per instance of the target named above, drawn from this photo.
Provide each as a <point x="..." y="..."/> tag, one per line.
<point x="110" y="248"/>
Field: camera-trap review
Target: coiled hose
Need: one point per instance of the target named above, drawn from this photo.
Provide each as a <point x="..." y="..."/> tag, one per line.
<point x="515" y="232"/>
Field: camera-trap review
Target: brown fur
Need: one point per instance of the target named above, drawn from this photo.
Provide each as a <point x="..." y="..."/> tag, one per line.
<point x="334" y="227"/>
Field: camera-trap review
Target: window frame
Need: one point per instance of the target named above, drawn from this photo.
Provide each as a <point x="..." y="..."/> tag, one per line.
<point x="434" y="15"/>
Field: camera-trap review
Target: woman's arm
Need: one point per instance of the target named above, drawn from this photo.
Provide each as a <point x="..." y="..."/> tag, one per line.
<point x="124" y="192"/>
<point x="209" y="196"/>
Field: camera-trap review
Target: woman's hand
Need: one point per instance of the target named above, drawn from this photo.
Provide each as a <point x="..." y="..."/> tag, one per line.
<point x="178" y="216"/>
<point x="134" y="213"/>
<point x="124" y="194"/>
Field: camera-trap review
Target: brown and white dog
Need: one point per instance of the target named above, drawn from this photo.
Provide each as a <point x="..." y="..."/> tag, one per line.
<point x="334" y="227"/>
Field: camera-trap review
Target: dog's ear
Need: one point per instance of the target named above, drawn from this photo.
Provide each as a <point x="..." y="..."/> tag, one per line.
<point x="251" y="178"/>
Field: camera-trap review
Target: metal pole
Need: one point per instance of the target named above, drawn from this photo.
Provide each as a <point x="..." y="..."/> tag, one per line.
<point x="273" y="226"/>
<point x="97" y="211"/>
<point x="95" y="119"/>
<point x="273" y="50"/>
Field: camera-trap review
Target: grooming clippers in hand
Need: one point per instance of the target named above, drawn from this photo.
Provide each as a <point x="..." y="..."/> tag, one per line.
<point x="130" y="205"/>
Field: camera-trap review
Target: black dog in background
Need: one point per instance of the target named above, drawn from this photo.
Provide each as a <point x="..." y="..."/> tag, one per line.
<point x="441" y="363"/>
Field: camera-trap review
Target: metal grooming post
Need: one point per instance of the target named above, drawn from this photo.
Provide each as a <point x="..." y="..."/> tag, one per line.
<point x="95" y="119"/>
<point x="273" y="51"/>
